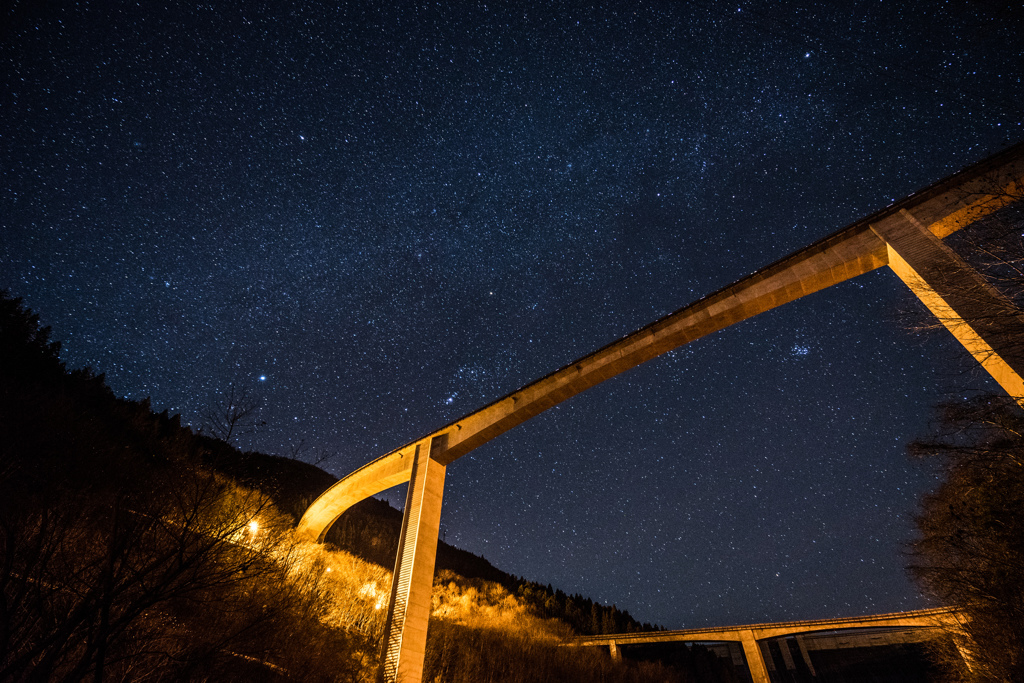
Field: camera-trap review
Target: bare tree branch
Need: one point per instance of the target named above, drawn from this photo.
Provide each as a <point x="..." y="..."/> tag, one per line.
<point x="235" y="412"/>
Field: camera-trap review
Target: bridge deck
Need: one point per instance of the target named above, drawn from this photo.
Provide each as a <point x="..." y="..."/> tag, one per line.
<point x="928" y="618"/>
<point x="944" y="208"/>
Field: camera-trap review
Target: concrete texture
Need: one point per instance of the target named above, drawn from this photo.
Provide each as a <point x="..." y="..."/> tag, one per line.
<point x="409" y="609"/>
<point x="983" y="320"/>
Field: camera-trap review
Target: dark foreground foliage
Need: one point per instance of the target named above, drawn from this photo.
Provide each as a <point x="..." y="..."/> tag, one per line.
<point x="133" y="549"/>
<point x="971" y="547"/>
<point x="123" y="556"/>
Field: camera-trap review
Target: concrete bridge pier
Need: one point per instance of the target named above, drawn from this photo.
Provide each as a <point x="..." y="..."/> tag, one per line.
<point x="614" y="650"/>
<point x="806" y="655"/>
<point x="409" y="609"/>
<point x="755" y="661"/>
<point x="987" y="323"/>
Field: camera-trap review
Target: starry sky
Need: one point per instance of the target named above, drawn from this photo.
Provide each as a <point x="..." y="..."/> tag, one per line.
<point x="378" y="219"/>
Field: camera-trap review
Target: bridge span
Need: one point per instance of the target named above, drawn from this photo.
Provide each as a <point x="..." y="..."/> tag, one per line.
<point x="906" y="236"/>
<point x="751" y="635"/>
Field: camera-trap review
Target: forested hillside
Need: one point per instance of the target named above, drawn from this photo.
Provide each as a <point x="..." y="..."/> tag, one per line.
<point x="134" y="548"/>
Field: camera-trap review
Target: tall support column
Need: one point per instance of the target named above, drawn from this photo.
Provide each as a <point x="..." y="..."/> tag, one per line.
<point x="787" y="654"/>
<point x="616" y="653"/>
<point x="954" y="629"/>
<point x="413" y="580"/>
<point x="806" y="655"/>
<point x="755" y="660"/>
<point x="987" y="323"/>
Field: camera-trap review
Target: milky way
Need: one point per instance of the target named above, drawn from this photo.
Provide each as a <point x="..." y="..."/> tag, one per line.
<point x="379" y="219"/>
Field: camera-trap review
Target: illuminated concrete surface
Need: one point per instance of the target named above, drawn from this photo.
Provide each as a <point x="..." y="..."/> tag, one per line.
<point x="983" y="320"/>
<point x="896" y="236"/>
<point x="405" y="639"/>
<point x="750" y="635"/>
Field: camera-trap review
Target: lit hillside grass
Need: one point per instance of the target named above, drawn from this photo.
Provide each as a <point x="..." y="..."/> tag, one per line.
<point x="479" y="631"/>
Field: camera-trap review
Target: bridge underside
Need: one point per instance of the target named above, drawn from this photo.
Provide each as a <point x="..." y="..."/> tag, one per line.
<point x="906" y="236"/>
<point x="751" y="636"/>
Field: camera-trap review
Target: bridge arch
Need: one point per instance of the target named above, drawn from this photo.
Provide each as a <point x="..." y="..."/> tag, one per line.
<point x="374" y="477"/>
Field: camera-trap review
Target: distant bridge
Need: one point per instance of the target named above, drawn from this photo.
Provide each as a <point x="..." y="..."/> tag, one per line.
<point x="906" y="236"/>
<point x="751" y="636"/>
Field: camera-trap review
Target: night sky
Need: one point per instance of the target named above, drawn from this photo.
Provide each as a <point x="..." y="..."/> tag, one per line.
<point x="380" y="219"/>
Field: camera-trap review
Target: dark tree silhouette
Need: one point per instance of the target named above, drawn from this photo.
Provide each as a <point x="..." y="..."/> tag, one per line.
<point x="25" y="347"/>
<point x="970" y="550"/>
<point x="971" y="547"/>
<point x="234" y="413"/>
<point x="127" y="552"/>
<point x="124" y="556"/>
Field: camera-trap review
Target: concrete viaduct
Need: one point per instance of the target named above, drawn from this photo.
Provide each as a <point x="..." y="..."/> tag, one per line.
<point x="906" y="236"/>
<point x="751" y="636"/>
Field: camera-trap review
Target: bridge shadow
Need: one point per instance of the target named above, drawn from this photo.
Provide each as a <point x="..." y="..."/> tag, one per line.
<point x="864" y="655"/>
<point x="721" y="662"/>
